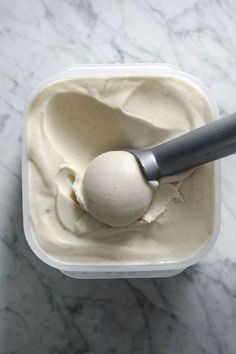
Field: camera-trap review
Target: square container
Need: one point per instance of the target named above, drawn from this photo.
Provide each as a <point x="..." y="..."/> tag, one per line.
<point x="126" y="271"/>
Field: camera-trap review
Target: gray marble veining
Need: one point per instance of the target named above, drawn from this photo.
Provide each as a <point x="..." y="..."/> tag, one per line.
<point x="41" y="310"/>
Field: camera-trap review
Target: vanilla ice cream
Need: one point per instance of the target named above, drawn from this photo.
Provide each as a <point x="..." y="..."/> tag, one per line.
<point x="114" y="189"/>
<point x="69" y="124"/>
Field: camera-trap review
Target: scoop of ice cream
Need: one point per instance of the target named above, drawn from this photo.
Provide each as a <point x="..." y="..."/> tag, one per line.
<point x="114" y="189"/>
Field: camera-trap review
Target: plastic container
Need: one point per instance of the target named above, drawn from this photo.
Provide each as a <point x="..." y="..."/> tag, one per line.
<point x="126" y="271"/>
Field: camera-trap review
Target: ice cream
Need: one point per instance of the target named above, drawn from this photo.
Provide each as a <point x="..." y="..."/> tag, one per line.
<point x="114" y="189"/>
<point x="69" y="124"/>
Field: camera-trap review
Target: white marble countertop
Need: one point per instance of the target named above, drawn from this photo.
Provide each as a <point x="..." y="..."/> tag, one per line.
<point x="42" y="311"/>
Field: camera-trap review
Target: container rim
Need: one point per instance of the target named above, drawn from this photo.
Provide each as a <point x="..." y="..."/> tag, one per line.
<point x="115" y="70"/>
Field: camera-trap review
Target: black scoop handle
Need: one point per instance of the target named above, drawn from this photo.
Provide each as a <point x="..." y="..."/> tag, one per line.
<point x="210" y="142"/>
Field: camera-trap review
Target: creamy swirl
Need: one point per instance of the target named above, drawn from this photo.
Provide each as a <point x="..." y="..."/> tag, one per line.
<point x="70" y="122"/>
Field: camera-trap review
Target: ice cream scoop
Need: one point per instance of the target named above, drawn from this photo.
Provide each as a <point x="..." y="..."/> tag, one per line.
<point x="117" y="187"/>
<point x="208" y="143"/>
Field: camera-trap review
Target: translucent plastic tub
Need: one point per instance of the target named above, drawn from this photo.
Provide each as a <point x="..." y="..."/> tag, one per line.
<point x="126" y="271"/>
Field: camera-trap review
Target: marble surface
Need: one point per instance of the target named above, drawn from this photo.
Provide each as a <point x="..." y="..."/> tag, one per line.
<point x="41" y="310"/>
